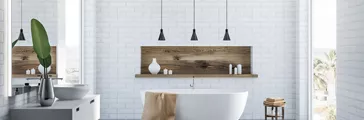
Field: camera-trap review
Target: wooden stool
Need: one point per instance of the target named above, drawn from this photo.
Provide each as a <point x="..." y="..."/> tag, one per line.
<point x="276" y="116"/>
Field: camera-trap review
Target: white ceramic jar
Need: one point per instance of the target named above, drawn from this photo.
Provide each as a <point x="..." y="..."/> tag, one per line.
<point x="154" y="67"/>
<point x="27" y="72"/>
<point x="240" y="69"/>
<point x="165" y="71"/>
<point x="32" y="71"/>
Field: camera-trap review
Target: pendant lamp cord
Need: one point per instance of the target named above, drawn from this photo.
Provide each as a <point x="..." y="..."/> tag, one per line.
<point x="226" y="14"/>
<point x="21" y="14"/>
<point x="161" y="14"/>
<point x="194" y="14"/>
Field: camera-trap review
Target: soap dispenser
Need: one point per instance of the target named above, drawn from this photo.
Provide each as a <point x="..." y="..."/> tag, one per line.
<point x="32" y="71"/>
<point x="165" y="71"/>
<point x="27" y="72"/>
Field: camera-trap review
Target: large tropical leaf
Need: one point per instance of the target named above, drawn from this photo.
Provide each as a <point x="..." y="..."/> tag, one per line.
<point x="320" y="81"/>
<point x="319" y="74"/>
<point x="324" y="69"/>
<point x="14" y="43"/>
<point x="45" y="62"/>
<point x="40" y="39"/>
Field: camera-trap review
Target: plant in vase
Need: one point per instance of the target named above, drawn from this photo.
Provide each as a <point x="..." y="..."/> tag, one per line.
<point x="42" y="48"/>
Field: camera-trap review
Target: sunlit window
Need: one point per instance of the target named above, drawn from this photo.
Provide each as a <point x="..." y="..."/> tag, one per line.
<point x="324" y="56"/>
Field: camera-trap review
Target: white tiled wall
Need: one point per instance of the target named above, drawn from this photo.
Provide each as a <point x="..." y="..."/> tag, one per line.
<point x="270" y="26"/>
<point x="5" y="102"/>
<point x="302" y="61"/>
<point x="89" y="43"/>
<point x="46" y="11"/>
<point x="2" y="97"/>
<point x="350" y="67"/>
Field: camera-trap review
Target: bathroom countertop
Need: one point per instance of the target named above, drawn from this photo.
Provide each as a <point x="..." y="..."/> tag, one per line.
<point x="88" y="108"/>
<point x="22" y="85"/>
<point x="64" y="104"/>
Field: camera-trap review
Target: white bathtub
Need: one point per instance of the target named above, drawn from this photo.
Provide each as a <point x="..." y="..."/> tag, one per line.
<point x="207" y="104"/>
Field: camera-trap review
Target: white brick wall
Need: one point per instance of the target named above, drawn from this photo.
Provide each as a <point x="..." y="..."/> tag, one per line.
<point x="350" y="100"/>
<point x="267" y="25"/>
<point x="89" y="43"/>
<point x="5" y="102"/>
<point x="302" y="61"/>
<point x="46" y="11"/>
<point x="2" y="97"/>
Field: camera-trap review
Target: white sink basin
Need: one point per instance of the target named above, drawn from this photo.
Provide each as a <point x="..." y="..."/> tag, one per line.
<point x="71" y="91"/>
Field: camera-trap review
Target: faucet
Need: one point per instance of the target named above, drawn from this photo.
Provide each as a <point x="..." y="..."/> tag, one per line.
<point x="42" y="77"/>
<point x="193" y="83"/>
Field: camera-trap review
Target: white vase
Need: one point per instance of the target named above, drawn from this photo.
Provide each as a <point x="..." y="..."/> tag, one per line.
<point x="240" y="69"/>
<point x="154" y="67"/>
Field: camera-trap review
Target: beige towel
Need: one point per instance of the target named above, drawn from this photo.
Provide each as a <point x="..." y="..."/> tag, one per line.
<point x="277" y="103"/>
<point x="274" y="99"/>
<point x="159" y="106"/>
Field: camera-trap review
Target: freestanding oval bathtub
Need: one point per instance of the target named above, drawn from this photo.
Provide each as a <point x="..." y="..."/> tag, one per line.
<point x="207" y="104"/>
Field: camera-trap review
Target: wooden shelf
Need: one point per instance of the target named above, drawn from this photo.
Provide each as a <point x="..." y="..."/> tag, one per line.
<point x="196" y="76"/>
<point x="31" y="76"/>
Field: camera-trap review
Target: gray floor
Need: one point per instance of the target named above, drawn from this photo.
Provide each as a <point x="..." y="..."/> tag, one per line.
<point x="239" y="119"/>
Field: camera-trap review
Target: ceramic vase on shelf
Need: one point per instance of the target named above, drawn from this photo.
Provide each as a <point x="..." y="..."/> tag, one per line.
<point x="154" y="67"/>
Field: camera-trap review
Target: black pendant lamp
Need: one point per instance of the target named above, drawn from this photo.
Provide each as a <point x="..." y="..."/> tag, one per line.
<point x="194" y="36"/>
<point x="226" y="36"/>
<point x="21" y="34"/>
<point x="161" y="35"/>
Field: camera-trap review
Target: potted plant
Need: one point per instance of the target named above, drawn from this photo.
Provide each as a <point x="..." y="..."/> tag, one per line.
<point x="42" y="48"/>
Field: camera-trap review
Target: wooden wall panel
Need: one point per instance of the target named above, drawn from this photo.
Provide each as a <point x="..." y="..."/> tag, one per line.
<point x="196" y="59"/>
<point x="24" y="57"/>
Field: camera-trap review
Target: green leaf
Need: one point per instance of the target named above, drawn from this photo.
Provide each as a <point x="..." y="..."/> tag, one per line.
<point x="40" y="40"/>
<point x="45" y="62"/>
<point x="14" y="43"/>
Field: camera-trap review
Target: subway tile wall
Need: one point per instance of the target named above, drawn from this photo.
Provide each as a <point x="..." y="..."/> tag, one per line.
<point x="270" y="26"/>
<point x="115" y="30"/>
<point x="350" y="66"/>
<point x="46" y="11"/>
<point x="5" y="101"/>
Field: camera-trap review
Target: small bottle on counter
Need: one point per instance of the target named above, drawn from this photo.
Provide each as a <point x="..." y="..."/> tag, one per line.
<point x="165" y="71"/>
<point x="27" y="88"/>
<point x="235" y="71"/>
<point x="27" y="72"/>
<point x="16" y="91"/>
<point x="230" y="69"/>
<point x="240" y="70"/>
<point x="170" y="72"/>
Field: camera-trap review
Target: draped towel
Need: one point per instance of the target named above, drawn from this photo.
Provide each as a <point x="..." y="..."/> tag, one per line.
<point x="159" y="106"/>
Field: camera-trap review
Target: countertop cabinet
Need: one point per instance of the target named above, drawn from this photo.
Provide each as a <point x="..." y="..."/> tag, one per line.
<point x="86" y="109"/>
